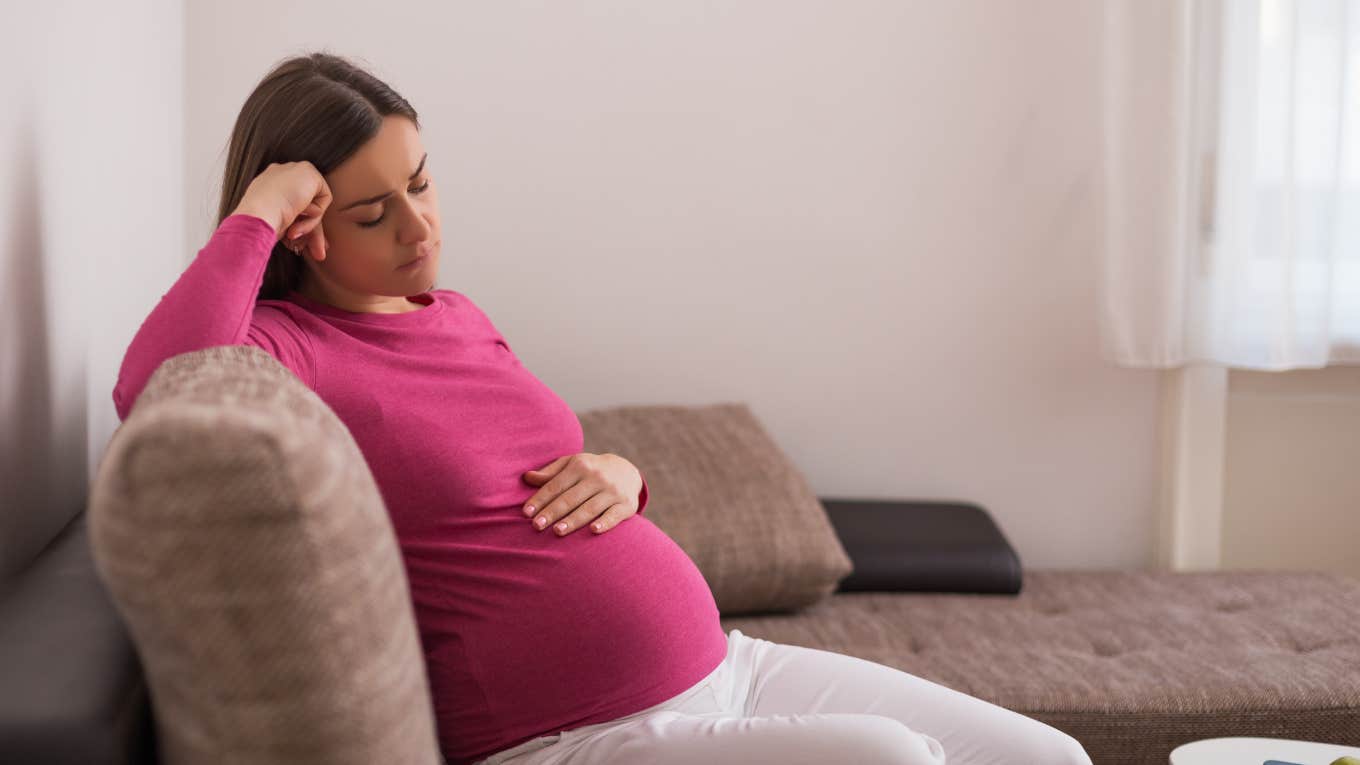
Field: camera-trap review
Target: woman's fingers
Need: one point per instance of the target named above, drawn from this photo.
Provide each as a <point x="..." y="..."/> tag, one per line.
<point x="585" y="513"/>
<point x="318" y="242"/>
<point x="616" y="514"/>
<point x="307" y="232"/>
<point x="305" y="221"/>
<point x="323" y="197"/>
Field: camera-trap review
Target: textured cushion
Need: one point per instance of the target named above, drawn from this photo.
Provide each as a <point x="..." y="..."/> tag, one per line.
<point x="244" y="541"/>
<point x="734" y="502"/>
<point x="1131" y="664"/>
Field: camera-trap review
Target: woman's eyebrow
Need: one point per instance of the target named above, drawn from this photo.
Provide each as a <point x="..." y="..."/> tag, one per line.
<point x="381" y="197"/>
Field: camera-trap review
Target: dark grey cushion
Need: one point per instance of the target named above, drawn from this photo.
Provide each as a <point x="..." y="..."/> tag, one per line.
<point x="923" y="547"/>
<point x="71" y="686"/>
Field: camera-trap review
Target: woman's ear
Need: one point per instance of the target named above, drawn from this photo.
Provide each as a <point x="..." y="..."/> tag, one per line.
<point x="306" y="250"/>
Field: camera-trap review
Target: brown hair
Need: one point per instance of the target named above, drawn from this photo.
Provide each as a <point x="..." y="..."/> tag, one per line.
<point x="317" y="107"/>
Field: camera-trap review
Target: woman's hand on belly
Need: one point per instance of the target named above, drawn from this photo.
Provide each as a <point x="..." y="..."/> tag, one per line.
<point x="579" y="489"/>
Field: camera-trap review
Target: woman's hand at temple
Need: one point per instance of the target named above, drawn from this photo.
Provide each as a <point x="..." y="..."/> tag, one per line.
<point x="292" y="196"/>
<point x="579" y="489"/>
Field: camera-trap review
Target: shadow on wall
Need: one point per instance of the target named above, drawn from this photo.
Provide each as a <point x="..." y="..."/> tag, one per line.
<point x="31" y="510"/>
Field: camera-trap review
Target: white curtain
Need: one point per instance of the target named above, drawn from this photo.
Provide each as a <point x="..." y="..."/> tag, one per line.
<point x="1232" y="179"/>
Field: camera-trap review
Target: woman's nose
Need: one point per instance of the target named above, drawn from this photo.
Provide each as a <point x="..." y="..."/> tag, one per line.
<point x="417" y="228"/>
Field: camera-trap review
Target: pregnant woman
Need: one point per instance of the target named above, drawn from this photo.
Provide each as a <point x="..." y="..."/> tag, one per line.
<point x="558" y="624"/>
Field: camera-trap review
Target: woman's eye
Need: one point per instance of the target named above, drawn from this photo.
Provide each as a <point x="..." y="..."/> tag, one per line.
<point x="379" y="219"/>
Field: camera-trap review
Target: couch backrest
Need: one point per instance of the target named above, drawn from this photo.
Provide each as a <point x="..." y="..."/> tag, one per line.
<point x="248" y="549"/>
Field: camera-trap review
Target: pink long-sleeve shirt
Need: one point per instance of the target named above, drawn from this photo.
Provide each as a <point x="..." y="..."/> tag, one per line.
<point x="525" y="633"/>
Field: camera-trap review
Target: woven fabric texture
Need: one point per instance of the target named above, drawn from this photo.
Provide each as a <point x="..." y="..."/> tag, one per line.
<point x="731" y="498"/>
<point x="1130" y="663"/>
<point x="245" y="544"/>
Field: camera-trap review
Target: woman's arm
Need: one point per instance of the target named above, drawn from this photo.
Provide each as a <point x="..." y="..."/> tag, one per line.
<point x="211" y="304"/>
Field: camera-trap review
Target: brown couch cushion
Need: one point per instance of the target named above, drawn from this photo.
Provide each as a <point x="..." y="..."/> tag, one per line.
<point x="1130" y="663"/>
<point x="734" y="502"/>
<point x="244" y="541"/>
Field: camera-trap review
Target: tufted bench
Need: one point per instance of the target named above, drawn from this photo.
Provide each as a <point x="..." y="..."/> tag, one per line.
<point x="1131" y="664"/>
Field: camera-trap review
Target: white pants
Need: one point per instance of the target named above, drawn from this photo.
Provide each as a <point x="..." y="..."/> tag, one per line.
<point x="776" y="703"/>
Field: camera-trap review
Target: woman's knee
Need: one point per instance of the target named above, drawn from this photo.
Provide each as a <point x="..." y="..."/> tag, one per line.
<point x="1070" y="751"/>
<point x="1056" y="747"/>
<point x="884" y="740"/>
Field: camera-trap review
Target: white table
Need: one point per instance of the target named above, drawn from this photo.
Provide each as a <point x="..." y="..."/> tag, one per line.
<point x="1255" y="751"/>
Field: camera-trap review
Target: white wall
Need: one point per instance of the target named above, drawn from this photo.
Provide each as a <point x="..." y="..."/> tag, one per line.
<point x="90" y="232"/>
<point x="875" y="222"/>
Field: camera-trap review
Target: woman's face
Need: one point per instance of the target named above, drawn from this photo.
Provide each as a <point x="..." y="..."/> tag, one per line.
<point x="369" y="240"/>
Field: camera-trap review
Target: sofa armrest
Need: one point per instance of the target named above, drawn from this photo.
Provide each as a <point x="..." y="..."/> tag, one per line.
<point x="923" y="547"/>
<point x="71" y="685"/>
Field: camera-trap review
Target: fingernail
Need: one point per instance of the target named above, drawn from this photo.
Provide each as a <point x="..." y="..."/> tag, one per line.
<point x="529" y="510"/>
<point x="562" y="526"/>
<point x="597" y="526"/>
<point x="540" y="521"/>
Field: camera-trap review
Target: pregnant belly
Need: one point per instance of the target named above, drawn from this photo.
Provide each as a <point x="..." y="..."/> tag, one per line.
<point x="568" y="631"/>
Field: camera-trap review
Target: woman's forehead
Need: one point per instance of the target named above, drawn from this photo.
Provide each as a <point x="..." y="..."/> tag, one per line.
<point x="382" y="165"/>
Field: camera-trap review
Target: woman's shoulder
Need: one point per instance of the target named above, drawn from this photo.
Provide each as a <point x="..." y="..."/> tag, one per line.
<point x="277" y="311"/>
<point x="277" y="327"/>
<point x="285" y="318"/>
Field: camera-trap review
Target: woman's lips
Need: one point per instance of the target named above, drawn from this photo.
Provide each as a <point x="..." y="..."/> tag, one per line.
<point x="424" y="256"/>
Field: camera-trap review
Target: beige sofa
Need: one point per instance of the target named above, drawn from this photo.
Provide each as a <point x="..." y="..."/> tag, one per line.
<point x="247" y="553"/>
